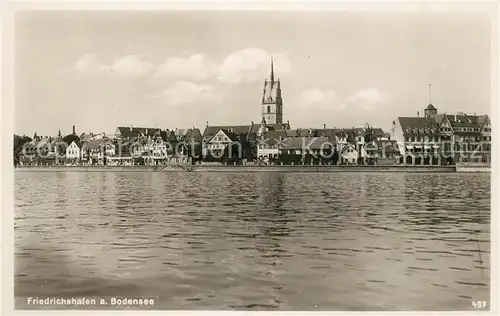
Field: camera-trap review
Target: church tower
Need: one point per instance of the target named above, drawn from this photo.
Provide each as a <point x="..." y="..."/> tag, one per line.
<point x="272" y="104"/>
<point x="430" y="111"/>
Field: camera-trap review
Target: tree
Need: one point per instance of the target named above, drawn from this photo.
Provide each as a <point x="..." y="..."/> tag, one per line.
<point x="231" y="153"/>
<point x="19" y="142"/>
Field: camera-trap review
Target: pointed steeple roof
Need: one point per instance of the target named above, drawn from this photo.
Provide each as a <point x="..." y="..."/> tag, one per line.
<point x="272" y="70"/>
<point x="430" y="107"/>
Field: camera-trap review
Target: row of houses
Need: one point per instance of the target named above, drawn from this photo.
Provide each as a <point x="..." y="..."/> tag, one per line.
<point x="271" y="144"/>
<point x="254" y="143"/>
<point x="128" y="146"/>
<point x="433" y="139"/>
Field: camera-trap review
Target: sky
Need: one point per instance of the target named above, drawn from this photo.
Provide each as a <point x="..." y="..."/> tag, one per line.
<point x="179" y="69"/>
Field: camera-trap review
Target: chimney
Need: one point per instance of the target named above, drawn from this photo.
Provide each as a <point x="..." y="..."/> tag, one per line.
<point x="324" y="126"/>
<point x="74" y="132"/>
<point x="130" y="127"/>
<point x="207" y="123"/>
<point x="252" y="122"/>
<point x="146" y="131"/>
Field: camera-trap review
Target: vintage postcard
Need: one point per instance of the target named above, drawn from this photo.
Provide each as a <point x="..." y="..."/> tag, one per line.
<point x="285" y="158"/>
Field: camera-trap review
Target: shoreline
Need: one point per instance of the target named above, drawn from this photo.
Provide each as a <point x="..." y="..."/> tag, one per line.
<point x="241" y="168"/>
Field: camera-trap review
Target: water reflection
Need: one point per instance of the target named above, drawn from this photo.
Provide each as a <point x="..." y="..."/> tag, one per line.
<point x="256" y="241"/>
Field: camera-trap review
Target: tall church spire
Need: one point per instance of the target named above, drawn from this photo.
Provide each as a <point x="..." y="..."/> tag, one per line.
<point x="272" y="104"/>
<point x="272" y="70"/>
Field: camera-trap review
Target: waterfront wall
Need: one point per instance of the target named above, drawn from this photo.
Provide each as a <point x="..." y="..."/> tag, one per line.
<point x="473" y="167"/>
<point x="354" y="168"/>
<point x="397" y="168"/>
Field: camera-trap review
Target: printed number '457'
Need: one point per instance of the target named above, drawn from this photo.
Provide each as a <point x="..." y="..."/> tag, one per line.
<point x="479" y="304"/>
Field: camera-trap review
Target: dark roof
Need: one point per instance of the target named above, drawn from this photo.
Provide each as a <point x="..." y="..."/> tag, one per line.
<point x="439" y="118"/>
<point x="276" y="134"/>
<point x="482" y="119"/>
<point x="240" y="129"/>
<point x="162" y="134"/>
<point x="347" y="146"/>
<point x="193" y="134"/>
<point x="272" y="138"/>
<point x="169" y="136"/>
<point x="464" y="120"/>
<point x="77" y="142"/>
<point x="303" y="142"/>
<point x="378" y="132"/>
<point x="137" y="131"/>
<point x="430" y="107"/>
<point x="418" y="126"/>
<point x="335" y="132"/>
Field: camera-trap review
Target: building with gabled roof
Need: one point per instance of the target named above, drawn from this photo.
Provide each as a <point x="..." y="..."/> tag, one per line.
<point x="73" y="151"/>
<point x="437" y="139"/>
<point x="216" y="145"/>
<point x="349" y="155"/>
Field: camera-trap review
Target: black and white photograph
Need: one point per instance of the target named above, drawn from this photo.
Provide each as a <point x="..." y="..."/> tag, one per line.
<point x="211" y="159"/>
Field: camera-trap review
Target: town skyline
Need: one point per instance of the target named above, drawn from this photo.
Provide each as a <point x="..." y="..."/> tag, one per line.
<point x="375" y="68"/>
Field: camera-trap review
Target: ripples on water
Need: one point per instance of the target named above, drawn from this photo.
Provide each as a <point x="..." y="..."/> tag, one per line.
<point x="256" y="241"/>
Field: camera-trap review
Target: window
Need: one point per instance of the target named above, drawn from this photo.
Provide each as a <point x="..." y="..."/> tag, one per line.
<point x="268" y="109"/>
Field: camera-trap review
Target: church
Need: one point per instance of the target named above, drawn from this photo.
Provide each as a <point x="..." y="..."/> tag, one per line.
<point x="217" y="138"/>
<point x="272" y="102"/>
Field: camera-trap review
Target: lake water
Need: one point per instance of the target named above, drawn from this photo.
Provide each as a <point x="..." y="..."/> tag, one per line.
<point x="260" y="241"/>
